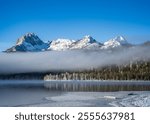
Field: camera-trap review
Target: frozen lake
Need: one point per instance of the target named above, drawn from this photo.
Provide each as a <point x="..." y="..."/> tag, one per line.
<point x="65" y="94"/>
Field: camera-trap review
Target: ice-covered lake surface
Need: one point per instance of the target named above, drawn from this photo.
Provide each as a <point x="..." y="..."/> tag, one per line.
<point x="34" y="93"/>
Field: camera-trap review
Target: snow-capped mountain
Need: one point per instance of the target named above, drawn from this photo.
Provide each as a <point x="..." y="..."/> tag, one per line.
<point x="60" y="44"/>
<point x="86" y="43"/>
<point x="115" y="42"/>
<point x="28" y="42"/>
<point x="31" y="42"/>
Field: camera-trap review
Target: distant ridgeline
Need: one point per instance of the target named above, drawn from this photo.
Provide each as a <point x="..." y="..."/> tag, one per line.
<point x="137" y="71"/>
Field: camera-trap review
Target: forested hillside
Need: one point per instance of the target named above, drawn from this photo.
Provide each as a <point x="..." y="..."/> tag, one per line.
<point x="137" y="71"/>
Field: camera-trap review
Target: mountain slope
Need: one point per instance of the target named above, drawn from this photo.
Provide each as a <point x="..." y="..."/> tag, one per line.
<point x="87" y="42"/>
<point x="115" y="42"/>
<point x="28" y="42"/>
<point x="31" y="42"/>
<point x="60" y="44"/>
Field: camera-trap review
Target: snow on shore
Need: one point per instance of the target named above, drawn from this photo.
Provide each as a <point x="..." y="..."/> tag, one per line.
<point x="134" y="100"/>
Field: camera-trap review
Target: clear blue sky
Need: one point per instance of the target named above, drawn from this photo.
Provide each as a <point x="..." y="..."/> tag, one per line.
<point x="51" y="19"/>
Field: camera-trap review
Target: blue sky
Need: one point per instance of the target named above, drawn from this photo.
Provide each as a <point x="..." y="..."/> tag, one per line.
<point x="52" y="19"/>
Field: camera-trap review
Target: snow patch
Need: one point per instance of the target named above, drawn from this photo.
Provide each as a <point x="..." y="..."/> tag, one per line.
<point x="139" y="100"/>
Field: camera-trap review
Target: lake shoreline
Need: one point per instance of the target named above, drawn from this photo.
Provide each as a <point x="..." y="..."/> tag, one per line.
<point x="79" y="85"/>
<point x="38" y="93"/>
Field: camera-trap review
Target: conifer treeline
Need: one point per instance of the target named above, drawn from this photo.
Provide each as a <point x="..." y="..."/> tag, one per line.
<point x="136" y="71"/>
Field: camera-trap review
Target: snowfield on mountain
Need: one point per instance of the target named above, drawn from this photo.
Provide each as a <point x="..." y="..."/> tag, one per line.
<point x="30" y="42"/>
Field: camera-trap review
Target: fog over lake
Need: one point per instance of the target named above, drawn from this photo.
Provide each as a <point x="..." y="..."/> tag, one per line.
<point x="68" y="60"/>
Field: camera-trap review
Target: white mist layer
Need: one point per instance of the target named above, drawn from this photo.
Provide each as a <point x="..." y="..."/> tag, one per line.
<point x="68" y="60"/>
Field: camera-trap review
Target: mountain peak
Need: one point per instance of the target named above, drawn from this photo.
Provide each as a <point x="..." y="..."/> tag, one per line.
<point x="119" y="38"/>
<point x="85" y="43"/>
<point x="88" y="38"/>
<point x="29" y="38"/>
<point x="30" y="34"/>
<point x="60" y="44"/>
<point x="31" y="42"/>
<point x="115" y="42"/>
<point x="28" y="42"/>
